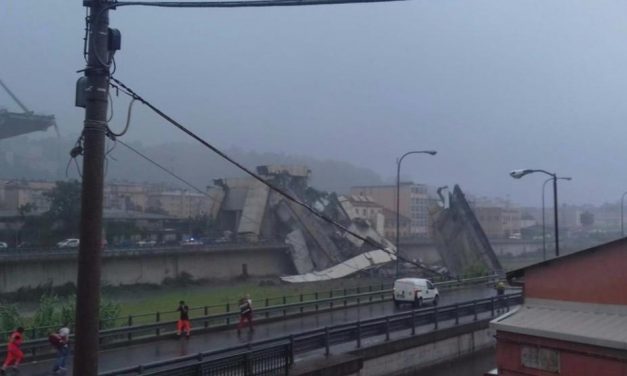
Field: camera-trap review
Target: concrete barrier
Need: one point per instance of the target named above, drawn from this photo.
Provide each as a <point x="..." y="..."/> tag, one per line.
<point x="405" y="355"/>
<point x="128" y="267"/>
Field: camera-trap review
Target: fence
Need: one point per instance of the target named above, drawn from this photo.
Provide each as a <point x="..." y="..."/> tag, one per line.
<point x="324" y="338"/>
<point x="273" y="360"/>
<point x="158" y="324"/>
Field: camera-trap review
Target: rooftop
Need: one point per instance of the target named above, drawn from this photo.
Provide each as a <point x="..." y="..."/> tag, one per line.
<point x="602" y="325"/>
<point x="518" y="273"/>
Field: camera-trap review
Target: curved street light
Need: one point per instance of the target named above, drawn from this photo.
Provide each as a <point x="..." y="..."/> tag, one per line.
<point x="398" y="193"/>
<point x="543" y="221"/>
<point x="622" y="204"/>
<point x="517" y="174"/>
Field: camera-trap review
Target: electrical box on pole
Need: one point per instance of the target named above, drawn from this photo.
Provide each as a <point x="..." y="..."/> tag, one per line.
<point x="92" y="93"/>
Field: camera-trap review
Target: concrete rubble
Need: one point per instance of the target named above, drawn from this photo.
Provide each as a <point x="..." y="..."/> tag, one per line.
<point x="251" y="211"/>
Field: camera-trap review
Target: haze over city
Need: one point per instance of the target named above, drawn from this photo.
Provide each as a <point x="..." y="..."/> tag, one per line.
<point x="491" y="85"/>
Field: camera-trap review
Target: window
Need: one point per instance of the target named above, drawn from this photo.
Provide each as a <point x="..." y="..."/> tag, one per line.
<point x="430" y="285"/>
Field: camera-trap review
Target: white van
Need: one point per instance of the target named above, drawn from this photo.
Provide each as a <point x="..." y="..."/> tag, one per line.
<point x="416" y="291"/>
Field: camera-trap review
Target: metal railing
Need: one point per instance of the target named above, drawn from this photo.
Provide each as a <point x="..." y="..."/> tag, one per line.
<point x="231" y="306"/>
<point x="270" y="360"/>
<point x="228" y="307"/>
<point x="325" y="338"/>
<point x="160" y="324"/>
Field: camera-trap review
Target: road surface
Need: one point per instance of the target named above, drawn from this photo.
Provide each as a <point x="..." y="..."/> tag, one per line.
<point x="170" y="348"/>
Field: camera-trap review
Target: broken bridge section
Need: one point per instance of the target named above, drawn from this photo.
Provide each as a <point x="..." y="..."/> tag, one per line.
<point x="17" y="123"/>
<point x="460" y="240"/>
<point x="249" y="211"/>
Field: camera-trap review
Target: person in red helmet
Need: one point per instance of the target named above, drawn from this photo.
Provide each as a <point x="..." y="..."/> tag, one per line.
<point x="14" y="353"/>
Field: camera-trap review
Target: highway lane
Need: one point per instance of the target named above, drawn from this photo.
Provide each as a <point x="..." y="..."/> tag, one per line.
<point x="199" y="342"/>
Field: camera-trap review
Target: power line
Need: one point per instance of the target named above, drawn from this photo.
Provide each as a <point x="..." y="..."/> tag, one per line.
<point x="176" y="176"/>
<point x="113" y="4"/>
<point x="161" y="167"/>
<point x="127" y="90"/>
<point x="241" y="3"/>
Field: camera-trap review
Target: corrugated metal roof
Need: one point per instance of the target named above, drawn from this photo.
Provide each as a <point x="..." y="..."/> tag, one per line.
<point x="593" y="324"/>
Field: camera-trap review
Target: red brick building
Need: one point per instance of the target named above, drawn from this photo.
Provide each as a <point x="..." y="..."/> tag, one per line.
<point x="574" y="318"/>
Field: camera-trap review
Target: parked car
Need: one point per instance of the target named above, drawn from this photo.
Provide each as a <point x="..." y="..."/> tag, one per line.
<point x="3" y="245"/>
<point x="146" y="243"/>
<point x="26" y="245"/>
<point x="191" y="242"/>
<point x="416" y="291"/>
<point x="69" y="243"/>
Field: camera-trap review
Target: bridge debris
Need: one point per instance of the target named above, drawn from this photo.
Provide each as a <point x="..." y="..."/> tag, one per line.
<point x="355" y="264"/>
<point x="17" y="123"/>
<point x="460" y="240"/>
<point x="319" y="250"/>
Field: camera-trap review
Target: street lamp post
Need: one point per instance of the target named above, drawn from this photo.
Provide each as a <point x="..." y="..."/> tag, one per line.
<point x="517" y="174"/>
<point x="622" y="204"/>
<point x="398" y="193"/>
<point x="543" y="221"/>
<point x="440" y="189"/>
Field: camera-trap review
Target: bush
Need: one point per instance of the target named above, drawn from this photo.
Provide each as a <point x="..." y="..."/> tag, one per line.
<point x="53" y="313"/>
<point x="9" y="318"/>
<point x="46" y="316"/>
<point x="109" y="311"/>
<point x="68" y="312"/>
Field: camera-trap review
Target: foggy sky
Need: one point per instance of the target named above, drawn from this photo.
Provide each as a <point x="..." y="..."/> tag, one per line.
<point x="492" y="85"/>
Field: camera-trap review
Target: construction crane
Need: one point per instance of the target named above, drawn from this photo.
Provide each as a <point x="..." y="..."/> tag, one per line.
<point x="17" y="123"/>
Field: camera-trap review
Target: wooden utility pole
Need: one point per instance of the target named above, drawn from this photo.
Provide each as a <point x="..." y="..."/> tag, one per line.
<point x="95" y="94"/>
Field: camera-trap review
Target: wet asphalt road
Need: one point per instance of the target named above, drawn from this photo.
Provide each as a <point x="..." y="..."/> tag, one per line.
<point x="171" y="348"/>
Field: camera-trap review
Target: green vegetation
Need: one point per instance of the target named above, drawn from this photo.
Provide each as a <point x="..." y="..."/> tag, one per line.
<point x="10" y="317"/>
<point x="120" y="302"/>
<point x="60" y="221"/>
<point x="53" y="312"/>
<point x="160" y="300"/>
<point x="476" y="269"/>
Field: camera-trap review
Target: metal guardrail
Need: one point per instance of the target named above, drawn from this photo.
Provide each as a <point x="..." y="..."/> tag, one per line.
<point x="270" y="360"/>
<point x="205" y="319"/>
<point x="324" y="338"/>
<point x="229" y="307"/>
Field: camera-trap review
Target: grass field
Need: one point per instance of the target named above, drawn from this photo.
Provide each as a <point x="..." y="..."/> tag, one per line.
<point x="138" y="301"/>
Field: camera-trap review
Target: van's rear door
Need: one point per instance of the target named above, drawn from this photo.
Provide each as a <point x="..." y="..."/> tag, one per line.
<point x="404" y="290"/>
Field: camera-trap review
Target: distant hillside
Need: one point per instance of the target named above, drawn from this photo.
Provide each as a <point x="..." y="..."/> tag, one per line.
<point x="47" y="159"/>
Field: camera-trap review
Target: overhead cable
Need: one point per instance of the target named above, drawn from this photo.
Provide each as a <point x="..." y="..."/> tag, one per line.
<point x="241" y="3"/>
<point x="283" y="193"/>
<point x="161" y="167"/>
<point x="186" y="182"/>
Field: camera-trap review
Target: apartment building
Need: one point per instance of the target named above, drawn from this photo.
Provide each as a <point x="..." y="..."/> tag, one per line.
<point x="415" y="200"/>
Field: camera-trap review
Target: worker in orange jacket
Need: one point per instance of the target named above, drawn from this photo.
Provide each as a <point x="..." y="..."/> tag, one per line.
<point x="14" y="353"/>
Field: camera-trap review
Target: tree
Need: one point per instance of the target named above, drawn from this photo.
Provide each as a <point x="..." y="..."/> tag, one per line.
<point x="65" y="207"/>
<point x="586" y="219"/>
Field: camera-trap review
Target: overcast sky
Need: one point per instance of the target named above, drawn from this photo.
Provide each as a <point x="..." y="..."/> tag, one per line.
<point x="492" y="85"/>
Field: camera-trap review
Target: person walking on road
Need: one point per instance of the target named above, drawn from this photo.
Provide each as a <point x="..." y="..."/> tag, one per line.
<point x="500" y="294"/>
<point x="245" y="313"/>
<point x="14" y="352"/>
<point x="61" y="342"/>
<point x="183" y="324"/>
